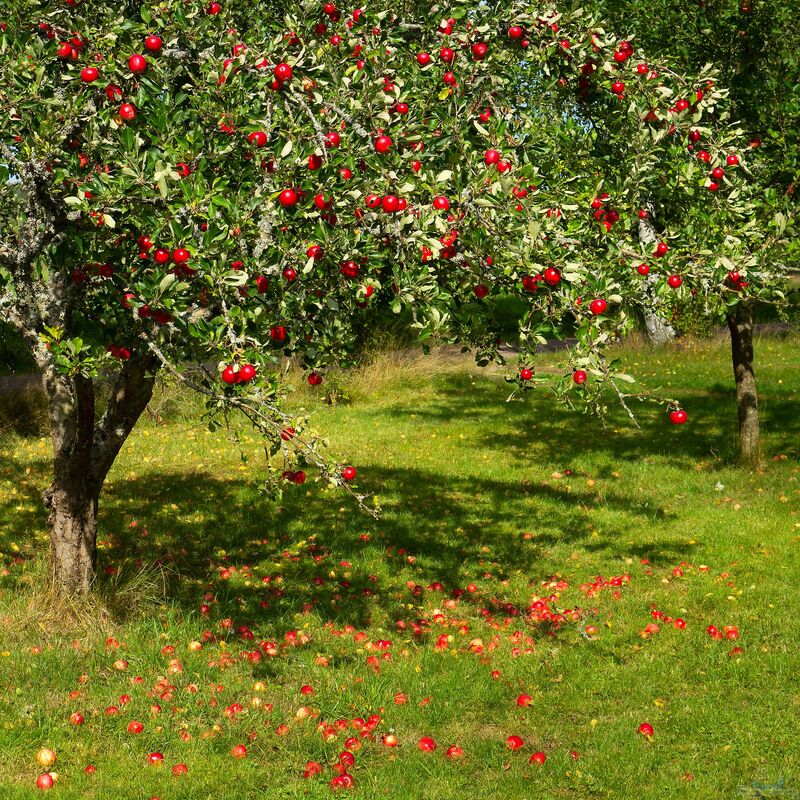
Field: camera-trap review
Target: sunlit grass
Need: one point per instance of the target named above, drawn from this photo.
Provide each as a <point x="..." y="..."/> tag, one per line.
<point x="505" y="501"/>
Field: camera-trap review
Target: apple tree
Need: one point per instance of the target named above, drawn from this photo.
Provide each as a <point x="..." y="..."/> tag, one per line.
<point x="755" y="47"/>
<point x="247" y="186"/>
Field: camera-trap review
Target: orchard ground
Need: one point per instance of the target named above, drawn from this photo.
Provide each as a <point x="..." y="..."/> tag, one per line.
<point x="500" y="503"/>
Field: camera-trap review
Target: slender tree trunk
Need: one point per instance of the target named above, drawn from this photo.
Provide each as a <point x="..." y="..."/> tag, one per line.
<point x="740" y="323"/>
<point x="657" y="329"/>
<point x="84" y="450"/>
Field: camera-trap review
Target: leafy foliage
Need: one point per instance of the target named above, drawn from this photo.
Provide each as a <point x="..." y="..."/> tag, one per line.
<point x="248" y="188"/>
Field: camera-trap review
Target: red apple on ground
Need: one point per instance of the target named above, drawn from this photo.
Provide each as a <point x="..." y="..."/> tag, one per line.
<point x="524" y="700"/>
<point x="45" y="781"/>
<point x="426" y="744"/>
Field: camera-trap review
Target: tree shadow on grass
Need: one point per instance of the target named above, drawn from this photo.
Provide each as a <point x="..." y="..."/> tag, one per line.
<point x="222" y="537"/>
<point x="535" y="429"/>
<point x="435" y="528"/>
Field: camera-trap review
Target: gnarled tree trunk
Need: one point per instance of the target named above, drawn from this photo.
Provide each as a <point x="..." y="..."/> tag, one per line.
<point x="73" y="538"/>
<point x="740" y="323"/>
<point x="83" y="451"/>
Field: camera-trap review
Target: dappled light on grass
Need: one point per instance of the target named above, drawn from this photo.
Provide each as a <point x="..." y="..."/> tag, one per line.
<point x="607" y="597"/>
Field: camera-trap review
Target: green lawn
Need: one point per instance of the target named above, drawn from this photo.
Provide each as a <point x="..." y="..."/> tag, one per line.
<point x="477" y="495"/>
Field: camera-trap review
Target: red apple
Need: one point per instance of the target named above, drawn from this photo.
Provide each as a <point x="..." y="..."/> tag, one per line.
<point x="675" y="281"/>
<point x="127" y="111"/>
<point x="283" y="72"/>
<point x="257" y="138"/>
<point x="390" y="203"/>
<point x="288" y="198"/>
<point x="45" y="781"/>
<point x="552" y="276"/>
<point x="426" y="744"/>
<point x="479" y="50"/>
<point x="137" y="64"/>
<point x="382" y="144"/>
<point x="348" y="473"/>
<point x="247" y="373"/>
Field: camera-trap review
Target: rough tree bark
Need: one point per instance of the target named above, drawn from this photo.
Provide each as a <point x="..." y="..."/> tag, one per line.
<point x="740" y="323"/>
<point x="84" y="448"/>
<point x="83" y="453"/>
<point x="657" y="329"/>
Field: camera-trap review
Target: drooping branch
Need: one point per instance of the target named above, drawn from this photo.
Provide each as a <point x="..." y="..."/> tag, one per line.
<point x="265" y="417"/>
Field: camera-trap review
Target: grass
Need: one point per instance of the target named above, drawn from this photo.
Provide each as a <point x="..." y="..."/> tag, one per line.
<point x="475" y="493"/>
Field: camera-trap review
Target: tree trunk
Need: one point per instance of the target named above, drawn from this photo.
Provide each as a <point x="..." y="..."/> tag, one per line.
<point x="740" y="323"/>
<point x="73" y="539"/>
<point x="657" y="329"/>
<point x="83" y="452"/>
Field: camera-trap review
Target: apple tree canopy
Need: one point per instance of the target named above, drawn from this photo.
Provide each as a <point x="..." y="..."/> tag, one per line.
<point x="242" y="183"/>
